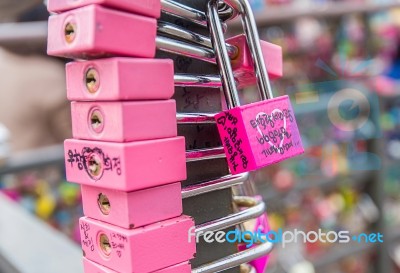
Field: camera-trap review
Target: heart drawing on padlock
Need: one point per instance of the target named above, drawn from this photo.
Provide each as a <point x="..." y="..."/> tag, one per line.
<point x="282" y="135"/>
<point x="263" y="119"/>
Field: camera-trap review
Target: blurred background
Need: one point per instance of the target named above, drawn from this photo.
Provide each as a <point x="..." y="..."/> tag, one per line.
<point x="342" y="73"/>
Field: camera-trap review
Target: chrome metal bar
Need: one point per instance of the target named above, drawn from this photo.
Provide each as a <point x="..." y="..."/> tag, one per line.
<point x="195" y="118"/>
<point x="185" y="12"/>
<point x="253" y="40"/>
<point x="186" y="49"/>
<point x="196" y="16"/>
<point x="213" y="185"/>
<point x="185" y="80"/>
<point x="190" y="36"/>
<point x="235" y="259"/>
<point x="205" y="154"/>
<point x="235" y="218"/>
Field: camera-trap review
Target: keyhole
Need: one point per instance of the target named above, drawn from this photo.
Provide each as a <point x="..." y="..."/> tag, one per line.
<point x="70" y="32"/>
<point x="94" y="165"/>
<point x="96" y="121"/>
<point x="105" y="245"/>
<point x="92" y="80"/>
<point x="104" y="204"/>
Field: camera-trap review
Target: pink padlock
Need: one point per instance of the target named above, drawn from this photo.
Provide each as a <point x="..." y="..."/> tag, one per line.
<point x="149" y="8"/>
<point x="146" y="249"/>
<point x="92" y="267"/>
<point x="131" y="209"/>
<point x="120" y="79"/>
<point x="127" y="166"/>
<point x="91" y="31"/>
<point x="242" y="63"/>
<point x="124" y="121"/>
<point x="258" y="134"/>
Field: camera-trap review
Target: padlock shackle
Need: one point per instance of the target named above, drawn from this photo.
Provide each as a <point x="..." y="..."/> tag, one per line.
<point x="191" y="80"/>
<point x="235" y="218"/>
<point x="253" y="41"/>
<point x="190" y="36"/>
<point x="223" y="182"/>
<point x="236" y="259"/>
<point x="222" y="57"/>
<point x="256" y="209"/>
<point x="196" y="16"/>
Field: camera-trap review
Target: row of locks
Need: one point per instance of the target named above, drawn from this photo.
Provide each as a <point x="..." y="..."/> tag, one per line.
<point x="162" y="155"/>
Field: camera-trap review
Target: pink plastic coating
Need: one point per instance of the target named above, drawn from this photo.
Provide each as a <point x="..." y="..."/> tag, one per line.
<point x="121" y="78"/>
<point x="92" y="267"/>
<point x="124" y="121"/>
<point x="95" y="31"/>
<point x="127" y="166"/>
<point x="149" y="8"/>
<point x="132" y="209"/>
<point x="140" y="250"/>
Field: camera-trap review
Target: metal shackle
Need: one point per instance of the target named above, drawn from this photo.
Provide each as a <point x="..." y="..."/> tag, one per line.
<point x="221" y="52"/>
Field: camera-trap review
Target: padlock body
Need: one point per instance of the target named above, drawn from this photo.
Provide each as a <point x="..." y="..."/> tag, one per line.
<point x="242" y="64"/>
<point x="146" y="249"/>
<point x="259" y="134"/>
<point x="126" y="166"/>
<point x="124" y="121"/>
<point x="92" y="267"/>
<point x="92" y="31"/>
<point x="132" y="209"/>
<point x="119" y="78"/>
<point x="149" y="8"/>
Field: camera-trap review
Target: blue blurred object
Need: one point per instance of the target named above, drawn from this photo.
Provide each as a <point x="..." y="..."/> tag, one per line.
<point x="257" y="5"/>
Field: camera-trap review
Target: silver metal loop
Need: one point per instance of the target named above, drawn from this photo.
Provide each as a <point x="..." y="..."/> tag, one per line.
<point x="236" y="259"/>
<point x="193" y="15"/>
<point x="231" y="220"/>
<point x="205" y="154"/>
<point x="224" y="182"/>
<point x="222" y="56"/>
<point x="188" y="80"/>
<point x="223" y="61"/>
<point x="190" y="36"/>
<point x="235" y="218"/>
<point x="195" y="118"/>
<point x="186" y="49"/>
<point x="185" y="12"/>
<point x="226" y="12"/>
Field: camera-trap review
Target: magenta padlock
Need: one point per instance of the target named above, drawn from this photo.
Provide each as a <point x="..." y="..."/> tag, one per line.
<point x="258" y="134"/>
<point x="124" y="121"/>
<point x="131" y="209"/>
<point x="146" y="249"/>
<point x="126" y="166"/>
<point x="92" y="267"/>
<point x="115" y="79"/>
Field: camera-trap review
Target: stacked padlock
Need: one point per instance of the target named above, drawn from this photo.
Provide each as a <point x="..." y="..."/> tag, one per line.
<point x="126" y="153"/>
